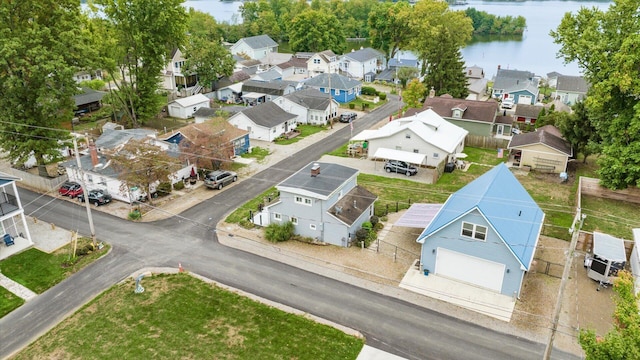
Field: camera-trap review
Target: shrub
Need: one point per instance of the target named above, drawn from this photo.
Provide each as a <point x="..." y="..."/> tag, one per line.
<point x="179" y="185"/>
<point x="368" y="90"/>
<point x="135" y="215"/>
<point x="361" y="236"/>
<point x="352" y="106"/>
<point x="163" y="188"/>
<point x="279" y="232"/>
<point x="374" y="220"/>
<point x="367" y="225"/>
<point x="383" y="96"/>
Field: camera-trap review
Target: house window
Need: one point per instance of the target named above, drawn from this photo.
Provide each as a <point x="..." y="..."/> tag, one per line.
<point x="89" y="178"/>
<point x="407" y="136"/>
<point x="416" y="151"/>
<point x="316" y="61"/>
<point x="277" y="216"/>
<point x="436" y="155"/>
<point x="398" y="147"/>
<point x="457" y="114"/>
<point x="336" y="91"/>
<point x="294" y="220"/>
<point x="312" y="226"/>
<point x="477" y="232"/>
<point x="302" y="200"/>
<point x="325" y="90"/>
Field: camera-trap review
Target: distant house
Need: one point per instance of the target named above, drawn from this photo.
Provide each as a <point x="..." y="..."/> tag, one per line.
<point x="229" y="88"/>
<point x="477" y="117"/>
<point x="264" y="122"/>
<point x="323" y="201"/>
<point x="12" y="218"/>
<point x="173" y="77"/>
<point x="184" y="108"/>
<point x="391" y="73"/>
<point x="89" y="100"/>
<point x="255" y="47"/>
<point x="295" y="66"/>
<point x="544" y="150"/>
<point x="363" y="64"/>
<point x="477" y="82"/>
<point x="342" y="88"/>
<point x="519" y="86"/>
<point x="527" y="114"/>
<point x="323" y="62"/>
<point x="423" y="139"/>
<point x="258" y="92"/>
<point x="552" y="78"/>
<point x="570" y="89"/>
<point x="87" y="76"/>
<point x="310" y="105"/>
<point x="485" y="234"/>
<point x="267" y="76"/>
<point x="250" y="66"/>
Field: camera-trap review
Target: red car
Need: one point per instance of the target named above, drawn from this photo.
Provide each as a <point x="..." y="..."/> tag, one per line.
<point x="71" y="189"/>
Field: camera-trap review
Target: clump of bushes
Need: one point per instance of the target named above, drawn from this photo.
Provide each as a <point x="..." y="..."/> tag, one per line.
<point x="368" y="90"/>
<point x="135" y="214"/>
<point x="163" y="188"/>
<point x="352" y="106"/>
<point x="179" y="185"/>
<point x="383" y="96"/>
<point x="279" y="232"/>
<point x="85" y="250"/>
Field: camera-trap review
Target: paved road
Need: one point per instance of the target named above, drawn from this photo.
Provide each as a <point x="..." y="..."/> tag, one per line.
<point x="388" y="323"/>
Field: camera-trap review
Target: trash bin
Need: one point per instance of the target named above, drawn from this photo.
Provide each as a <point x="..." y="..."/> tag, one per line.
<point x="449" y="167"/>
<point x="426" y="272"/>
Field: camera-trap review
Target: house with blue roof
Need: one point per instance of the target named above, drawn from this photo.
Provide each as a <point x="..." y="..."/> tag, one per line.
<point x="485" y="234"/>
<point x="342" y="88"/>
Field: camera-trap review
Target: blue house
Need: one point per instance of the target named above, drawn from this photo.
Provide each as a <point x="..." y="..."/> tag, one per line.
<point x="485" y="234"/>
<point x="343" y="89"/>
<point x="519" y="86"/>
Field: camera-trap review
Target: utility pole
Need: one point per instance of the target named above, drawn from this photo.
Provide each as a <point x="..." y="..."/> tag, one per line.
<point x="84" y="192"/>
<point x="330" y="97"/>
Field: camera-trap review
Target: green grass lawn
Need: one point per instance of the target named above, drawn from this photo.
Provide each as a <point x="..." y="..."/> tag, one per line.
<point x="241" y="214"/>
<point x="257" y="153"/>
<point x="38" y="271"/>
<point x="305" y="130"/>
<point x="178" y="316"/>
<point x="8" y="302"/>
<point x="609" y="216"/>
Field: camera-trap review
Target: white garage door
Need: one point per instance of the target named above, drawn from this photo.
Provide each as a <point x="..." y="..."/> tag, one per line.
<point x="524" y="99"/>
<point x="469" y="269"/>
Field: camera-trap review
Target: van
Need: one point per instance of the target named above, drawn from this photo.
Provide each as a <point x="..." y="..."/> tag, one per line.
<point x="348" y="117"/>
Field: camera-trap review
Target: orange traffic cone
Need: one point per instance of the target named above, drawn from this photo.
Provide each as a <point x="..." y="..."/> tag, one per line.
<point x="180" y="269"/>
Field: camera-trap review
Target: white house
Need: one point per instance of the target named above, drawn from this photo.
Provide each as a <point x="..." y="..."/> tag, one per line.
<point x="362" y="64"/>
<point x="323" y="62"/>
<point x="310" y="105"/>
<point x="184" y="108"/>
<point x="266" y="121"/>
<point x="172" y="76"/>
<point x="425" y="136"/>
<point x="255" y="47"/>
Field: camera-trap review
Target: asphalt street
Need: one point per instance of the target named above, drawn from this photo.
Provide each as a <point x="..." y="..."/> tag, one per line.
<point x="388" y="323"/>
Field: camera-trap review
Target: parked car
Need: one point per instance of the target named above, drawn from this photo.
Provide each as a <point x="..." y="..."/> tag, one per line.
<point x="400" y="167"/>
<point x="507" y="104"/>
<point x="220" y="178"/>
<point x="348" y="117"/>
<point x="70" y="189"/>
<point x="97" y="197"/>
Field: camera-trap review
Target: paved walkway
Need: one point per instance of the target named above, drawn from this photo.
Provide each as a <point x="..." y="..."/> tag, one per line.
<point x="16" y="288"/>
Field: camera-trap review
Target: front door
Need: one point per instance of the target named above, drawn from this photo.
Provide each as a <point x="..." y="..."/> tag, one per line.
<point x="500" y="130"/>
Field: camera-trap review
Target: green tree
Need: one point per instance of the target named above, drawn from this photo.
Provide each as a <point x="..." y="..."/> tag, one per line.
<point x="316" y="31"/>
<point x="623" y="342"/>
<point x="144" y="33"/>
<point x="389" y="27"/>
<point x="143" y="165"/>
<point x="605" y="44"/>
<point x="405" y="74"/>
<point x="414" y="94"/>
<point x="437" y="37"/>
<point x="43" y="44"/>
<point x="578" y="129"/>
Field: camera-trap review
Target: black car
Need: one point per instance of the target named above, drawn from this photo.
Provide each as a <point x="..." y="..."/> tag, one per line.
<point x="400" y="167"/>
<point x="220" y="178"/>
<point x="348" y="117"/>
<point x="97" y="197"/>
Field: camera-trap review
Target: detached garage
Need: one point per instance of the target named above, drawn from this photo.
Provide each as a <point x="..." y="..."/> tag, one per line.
<point x="184" y="108"/>
<point x="469" y="269"/>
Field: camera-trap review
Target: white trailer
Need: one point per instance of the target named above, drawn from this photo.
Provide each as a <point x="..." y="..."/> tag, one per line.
<point x="607" y="258"/>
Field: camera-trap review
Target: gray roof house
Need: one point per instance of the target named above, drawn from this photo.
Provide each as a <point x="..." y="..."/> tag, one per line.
<point x="544" y="150"/>
<point x="112" y="139"/>
<point x="361" y="62"/>
<point x="310" y="105"/>
<point x="266" y="121"/>
<point x="343" y="89"/>
<point x="88" y="100"/>
<point x="255" y="47"/>
<point x="570" y="89"/>
<point x="257" y="92"/>
<point x="477" y="83"/>
<point x="324" y="203"/>
<point x="390" y="74"/>
<point x="527" y="114"/>
<point x="519" y="86"/>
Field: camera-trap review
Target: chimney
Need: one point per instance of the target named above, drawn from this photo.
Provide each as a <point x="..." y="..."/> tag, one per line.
<point x="499" y="67"/>
<point x="432" y="93"/>
<point x="315" y="170"/>
<point x="355" y="206"/>
<point x="94" y="154"/>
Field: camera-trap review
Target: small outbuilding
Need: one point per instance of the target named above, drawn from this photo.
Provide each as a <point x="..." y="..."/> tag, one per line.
<point x="607" y="258"/>
<point x="184" y="108"/>
<point x="634" y="261"/>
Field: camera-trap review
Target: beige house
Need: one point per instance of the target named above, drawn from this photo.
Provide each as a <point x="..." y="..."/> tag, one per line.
<point x="544" y="149"/>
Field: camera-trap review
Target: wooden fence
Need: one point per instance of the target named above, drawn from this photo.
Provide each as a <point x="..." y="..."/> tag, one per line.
<point x="485" y="142"/>
<point x="592" y="187"/>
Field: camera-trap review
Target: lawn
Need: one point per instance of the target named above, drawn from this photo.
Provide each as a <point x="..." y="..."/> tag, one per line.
<point x="241" y="214"/>
<point x="305" y="130"/>
<point x="178" y="316"/>
<point x="38" y="271"/>
<point x="257" y="153"/>
<point x="8" y="302"/>
<point x="609" y="216"/>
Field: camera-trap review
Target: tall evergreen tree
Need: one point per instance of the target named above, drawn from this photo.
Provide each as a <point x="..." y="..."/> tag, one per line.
<point x="43" y="44"/>
<point x="445" y="68"/>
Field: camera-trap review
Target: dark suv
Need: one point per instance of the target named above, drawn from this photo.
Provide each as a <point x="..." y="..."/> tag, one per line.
<point x="220" y="178"/>
<point x="400" y="167"/>
<point x="97" y="197"/>
<point x="348" y="117"/>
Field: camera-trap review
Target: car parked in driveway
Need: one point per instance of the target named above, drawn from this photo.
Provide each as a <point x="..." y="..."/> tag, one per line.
<point x="348" y="117"/>
<point x="71" y="189"/>
<point x="220" y="178"/>
<point x="400" y="167"/>
<point x="97" y="197"/>
<point x="507" y="104"/>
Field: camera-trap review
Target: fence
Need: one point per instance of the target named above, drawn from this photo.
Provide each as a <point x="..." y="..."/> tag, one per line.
<point x="36" y="182"/>
<point x="592" y="187"/>
<point x="547" y="268"/>
<point x="395" y="252"/>
<point x="485" y="142"/>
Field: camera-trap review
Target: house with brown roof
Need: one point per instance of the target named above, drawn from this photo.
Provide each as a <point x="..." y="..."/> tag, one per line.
<point x="544" y="150"/>
<point x="477" y="117"/>
<point x="527" y="114"/>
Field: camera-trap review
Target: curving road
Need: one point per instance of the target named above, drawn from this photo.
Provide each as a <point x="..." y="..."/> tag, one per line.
<point x="388" y="323"/>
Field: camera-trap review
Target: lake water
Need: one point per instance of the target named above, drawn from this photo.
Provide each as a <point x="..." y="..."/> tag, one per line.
<point x="534" y="51"/>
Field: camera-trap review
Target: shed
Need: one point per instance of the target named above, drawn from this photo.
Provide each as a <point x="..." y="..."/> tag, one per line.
<point x="184" y="108"/>
<point x="634" y="261"/>
<point x="607" y="258"/>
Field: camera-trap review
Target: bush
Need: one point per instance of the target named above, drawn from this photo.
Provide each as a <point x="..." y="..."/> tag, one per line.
<point x="367" y="225"/>
<point x="383" y="96"/>
<point x="352" y="106"/>
<point x="361" y="236"/>
<point x="135" y="215"/>
<point x="368" y="90"/>
<point x="163" y="188"/>
<point x="179" y="185"/>
<point x="279" y="232"/>
<point x="374" y="220"/>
